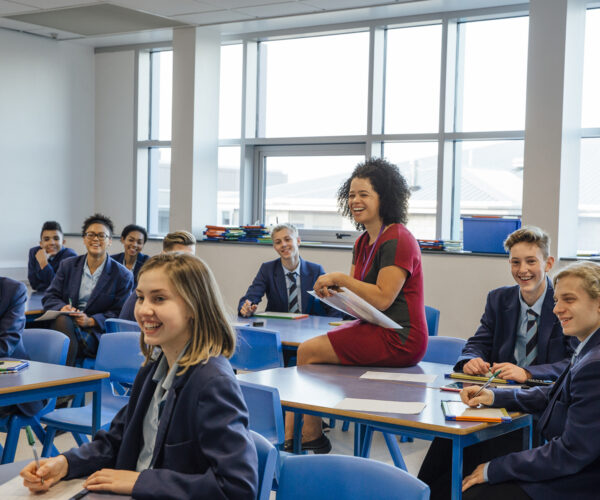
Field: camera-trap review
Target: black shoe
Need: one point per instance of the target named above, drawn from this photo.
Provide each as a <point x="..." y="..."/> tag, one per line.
<point x="319" y="446"/>
<point x="288" y="445"/>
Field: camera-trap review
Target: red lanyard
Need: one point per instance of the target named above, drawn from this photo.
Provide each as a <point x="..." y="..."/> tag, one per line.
<point x="367" y="261"/>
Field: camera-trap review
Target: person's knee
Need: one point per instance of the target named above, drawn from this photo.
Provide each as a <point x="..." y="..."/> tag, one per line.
<point x="304" y="354"/>
<point x="63" y="324"/>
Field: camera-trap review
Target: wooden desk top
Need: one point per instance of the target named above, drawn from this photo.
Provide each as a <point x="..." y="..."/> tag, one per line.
<point x="321" y="387"/>
<point x="39" y="375"/>
<point x="295" y="331"/>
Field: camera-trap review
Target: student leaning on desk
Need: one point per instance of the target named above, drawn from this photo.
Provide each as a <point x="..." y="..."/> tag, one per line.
<point x="568" y="465"/>
<point x="184" y="432"/>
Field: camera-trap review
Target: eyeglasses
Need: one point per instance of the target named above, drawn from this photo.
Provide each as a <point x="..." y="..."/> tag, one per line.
<point x="93" y="236"/>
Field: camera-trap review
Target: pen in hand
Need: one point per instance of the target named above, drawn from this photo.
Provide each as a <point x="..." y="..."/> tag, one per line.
<point x="489" y="381"/>
<point x="31" y="441"/>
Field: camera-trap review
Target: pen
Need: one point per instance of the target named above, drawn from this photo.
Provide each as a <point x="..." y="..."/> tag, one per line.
<point x="32" y="444"/>
<point x="484" y="386"/>
<point x="70" y="302"/>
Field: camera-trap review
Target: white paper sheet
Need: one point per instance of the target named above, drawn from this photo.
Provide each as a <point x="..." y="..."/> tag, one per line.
<point x="378" y="406"/>
<point x="63" y="490"/>
<point x="348" y="302"/>
<point x="50" y="315"/>
<point x="400" y="377"/>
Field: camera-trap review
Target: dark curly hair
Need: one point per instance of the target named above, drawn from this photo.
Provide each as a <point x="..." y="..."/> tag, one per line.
<point x="97" y="219"/>
<point x="134" y="227"/>
<point x="388" y="183"/>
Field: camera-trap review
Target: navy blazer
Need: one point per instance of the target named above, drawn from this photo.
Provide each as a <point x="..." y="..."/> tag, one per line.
<point x="270" y="280"/>
<point x="494" y="341"/>
<point x="139" y="262"/>
<point x="203" y="447"/>
<point x="568" y="465"/>
<point x="13" y="299"/>
<point x="108" y="296"/>
<point x="40" y="279"/>
<point x="127" y="311"/>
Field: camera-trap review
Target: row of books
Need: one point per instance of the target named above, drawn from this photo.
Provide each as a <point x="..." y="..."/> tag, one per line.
<point x="441" y="245"/>
<point x="255" y="234"/>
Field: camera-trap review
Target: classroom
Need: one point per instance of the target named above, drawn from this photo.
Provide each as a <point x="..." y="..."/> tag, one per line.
<point x="181" y="114"/>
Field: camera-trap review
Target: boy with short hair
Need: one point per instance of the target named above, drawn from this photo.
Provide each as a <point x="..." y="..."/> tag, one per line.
<point x="45" y="258"/>
<point x="519" y="335"/>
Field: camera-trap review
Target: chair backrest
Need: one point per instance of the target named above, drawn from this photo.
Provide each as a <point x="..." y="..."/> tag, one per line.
<point x="256" y="349"/>
<point x="432" y="315"/>
<point x="264" y="408"/>
<point x="46" y="346"/>
<point x="444" y="350"/>
<point x="120" y="354"/>
<point x="267" y="462"/>
<point x="113" y="325"/>
<point x="321" y="477"/>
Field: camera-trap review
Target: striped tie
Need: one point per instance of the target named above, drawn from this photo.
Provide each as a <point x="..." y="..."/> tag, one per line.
<point x="531" y="338"/>
<point x="293" y="294"/>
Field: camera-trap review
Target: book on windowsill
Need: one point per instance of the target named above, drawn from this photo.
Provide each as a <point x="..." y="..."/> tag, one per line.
<point x="281" y="315"/>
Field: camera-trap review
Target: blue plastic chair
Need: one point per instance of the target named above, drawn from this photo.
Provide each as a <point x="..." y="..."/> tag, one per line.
<point x="432" y="315"/>
<point x="264" y="408"/>
<point x="119" y="354"/>
<point x="113" y="325"/>
<point x="445" y="350"/>
<point x="46" y="346"/>
<point x="267" y="464"/>
<point x="257" y="349"/>
<point x="322" y="477"/>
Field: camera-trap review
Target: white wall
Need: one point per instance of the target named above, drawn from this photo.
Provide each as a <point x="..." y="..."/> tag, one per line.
<point x="46" y="139"/>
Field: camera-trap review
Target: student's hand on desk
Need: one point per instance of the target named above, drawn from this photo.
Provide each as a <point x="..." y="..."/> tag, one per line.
<point x="117" y="481"/>
<point x="327" y="281"/>
<point x="51" y="469"/>
<point x="476" y="366"/>
<point x="508" y="371"/>
<point x="485" y="397"/>
<point x="476" y="477"/>
<point x="248" y="309"/>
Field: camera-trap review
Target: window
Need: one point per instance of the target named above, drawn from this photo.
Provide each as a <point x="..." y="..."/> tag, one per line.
<point x="228" y="186"/>
<point x="230" y="91"/>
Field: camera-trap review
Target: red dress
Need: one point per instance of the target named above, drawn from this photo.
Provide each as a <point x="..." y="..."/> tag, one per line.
<point x="361" y="343"/>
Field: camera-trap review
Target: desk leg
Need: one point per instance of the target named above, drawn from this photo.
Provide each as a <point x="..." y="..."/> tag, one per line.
<point x="298" y="421"/>
<point x="96" y="409"/>
<point x="457" y="467"/>
<point x="528" y="436"/>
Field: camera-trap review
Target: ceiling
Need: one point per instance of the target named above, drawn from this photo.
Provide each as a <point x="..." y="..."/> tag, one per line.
<point x="119" y="22"/>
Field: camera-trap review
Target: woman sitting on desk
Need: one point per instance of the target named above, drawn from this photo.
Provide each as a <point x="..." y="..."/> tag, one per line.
<point x="133" y="239"/>
<point x="568" y="465"/>
<point x="386" y="272"/>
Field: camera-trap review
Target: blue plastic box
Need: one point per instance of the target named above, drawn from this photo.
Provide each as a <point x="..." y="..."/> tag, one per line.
<point x="486" y="235"/>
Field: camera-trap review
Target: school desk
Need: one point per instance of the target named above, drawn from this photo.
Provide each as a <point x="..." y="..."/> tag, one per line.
<point x="34" y="307"/>
<point x="317" y="389"/>
<point x="294" y="331"/>
<point x="43" y="380"/>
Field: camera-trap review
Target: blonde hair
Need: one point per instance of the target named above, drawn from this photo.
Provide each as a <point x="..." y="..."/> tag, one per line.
<point x="285" y="225"/>
<point x="178" y="238"/>
<point x="212" y="335"/>
<point x="529" y="234"/>
<point x="589" y="272"/>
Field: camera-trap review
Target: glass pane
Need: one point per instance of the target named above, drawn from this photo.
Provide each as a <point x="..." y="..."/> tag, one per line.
<point x="303" y="189"/>
<point x="228" y="187"/>
<point x="412" y="79"/>
<point x="230" y="91"/>
<point x="590" y="116"/>
<point x="159" y="190"/>
<point x="491" y="181"/>
<point x="417" y="162"/>
<point x="162" y="95"/>
<point x="494" y="75"/>
<point x="588" y="235"/>
<point x="316" y="86"/>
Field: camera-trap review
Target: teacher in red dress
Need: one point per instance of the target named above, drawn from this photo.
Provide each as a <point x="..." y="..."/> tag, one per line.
<point x="386" y="271"/>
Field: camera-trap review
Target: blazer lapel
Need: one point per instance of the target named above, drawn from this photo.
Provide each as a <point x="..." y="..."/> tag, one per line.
<point x="280" y="286"/>
<point x="547" y="321"/>
<point x="305" y="282"/>
<point x="513" y="308"/>
<point x="75" y="284"/>
<point x="102" y="282"/>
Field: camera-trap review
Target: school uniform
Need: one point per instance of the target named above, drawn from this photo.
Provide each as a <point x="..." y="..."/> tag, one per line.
<point x="568" y="465"/>
<point x="271" y="280"/>
<point x="495" y="339"/>
<point x="127" y="311"/>
<point x="203" y="448"/>
<point x="139" y="262"/>
<point x="13" y="298"/>
<point x="40" y="279"/>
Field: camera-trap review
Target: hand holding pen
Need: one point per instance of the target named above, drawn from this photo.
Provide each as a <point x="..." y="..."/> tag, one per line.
<point x="474" y="395"/>
<point x="49" y="472"/>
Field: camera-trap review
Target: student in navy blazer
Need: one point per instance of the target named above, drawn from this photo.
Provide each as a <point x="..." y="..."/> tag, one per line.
<point x="271" y="278"/>
<point x="184" y="432"/>
<point x="105" y="283"/>
<point x="13" y="298"/>
<point x="45" y="258"/>
<point x="133" y="238"/>
<point x="501" y="336"/>
<point x="568" y="464"/>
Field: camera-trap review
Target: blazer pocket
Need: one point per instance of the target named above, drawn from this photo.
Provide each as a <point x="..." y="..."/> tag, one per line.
<point x="181" y="457"/>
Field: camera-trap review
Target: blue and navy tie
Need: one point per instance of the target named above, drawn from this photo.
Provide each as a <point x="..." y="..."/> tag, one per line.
<point x="293" y="294"/>
<point x="531" y="338"/>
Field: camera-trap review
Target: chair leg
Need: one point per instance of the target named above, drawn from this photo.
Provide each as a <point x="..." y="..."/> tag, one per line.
<point x="80" y="438"/>
<point x="392" y="444"/>
<point x="367" y="440"/>
<point x="406" y="439"/>
<point x="12" y="438"/>
<point x="345" y="426"/>
<point x="47" y="449"/>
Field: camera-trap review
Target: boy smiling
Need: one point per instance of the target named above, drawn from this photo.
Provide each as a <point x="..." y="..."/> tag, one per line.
<point x="519" y="335"/>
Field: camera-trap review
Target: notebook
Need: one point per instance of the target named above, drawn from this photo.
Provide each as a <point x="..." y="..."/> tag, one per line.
<point x="12" y="365"/>
<point x="457" y="410"/>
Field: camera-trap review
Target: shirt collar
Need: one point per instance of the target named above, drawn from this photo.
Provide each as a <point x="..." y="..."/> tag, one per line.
<point x="86" y="268"/>
<point x="537" y="306"/>
<point x="163" y="373"/>
<point x="296" y="270"/>
<point x="581" y="345"/>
